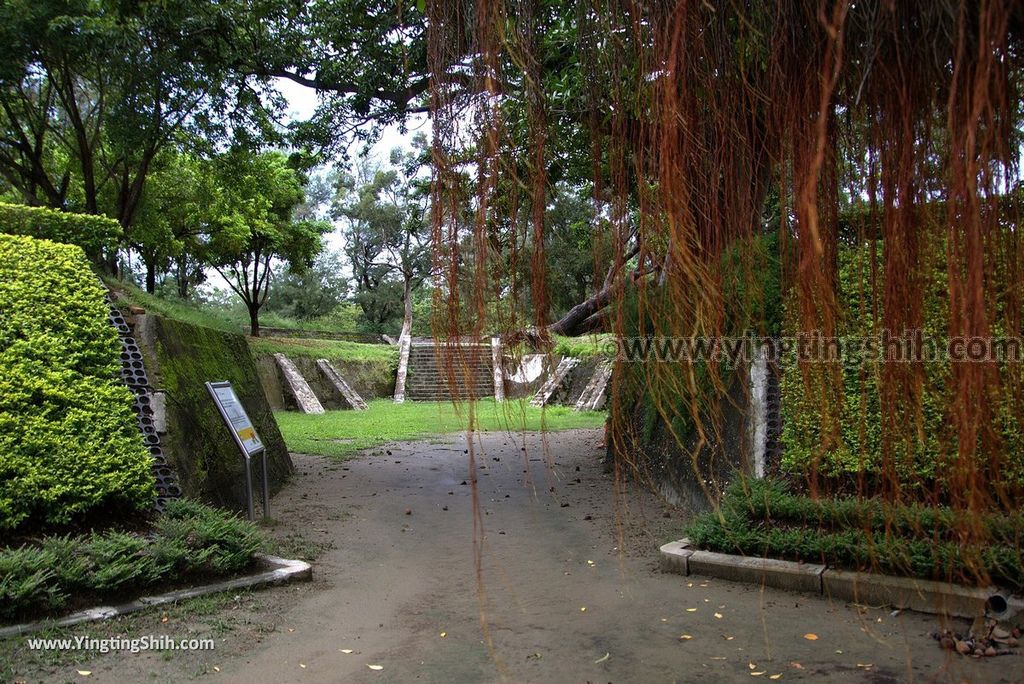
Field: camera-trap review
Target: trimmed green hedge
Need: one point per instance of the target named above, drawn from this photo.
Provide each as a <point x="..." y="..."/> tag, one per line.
<point x="189" y="541"/>
<point x="90" y="232"/>
<point x="763" y="518"/>
<point x="69" y="444"/>
<point x="923" y="451"/>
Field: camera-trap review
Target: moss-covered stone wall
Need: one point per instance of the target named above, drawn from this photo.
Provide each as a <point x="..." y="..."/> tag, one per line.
<point x="181" y="358"/>
<point x="371" y="379"/>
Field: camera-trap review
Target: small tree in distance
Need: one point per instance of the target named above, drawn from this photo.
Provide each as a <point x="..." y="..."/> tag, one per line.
<point x="258" y="198"/>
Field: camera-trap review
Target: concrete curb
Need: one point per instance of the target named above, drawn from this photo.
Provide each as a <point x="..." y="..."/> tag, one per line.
<point x="905" y="593"/>
<point x="277" y="571"/>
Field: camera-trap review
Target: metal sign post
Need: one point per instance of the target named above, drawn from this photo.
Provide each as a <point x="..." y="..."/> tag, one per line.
<point x="245" y="436"/>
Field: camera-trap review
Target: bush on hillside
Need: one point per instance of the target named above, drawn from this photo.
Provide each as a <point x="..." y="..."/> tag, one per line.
<point x="69" y="444"/>
<point x="92" y="233"/>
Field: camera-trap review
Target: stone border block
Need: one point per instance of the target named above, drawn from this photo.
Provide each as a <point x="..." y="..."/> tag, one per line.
<point x="925" y="596"/>
<point x="805" y="577"/>
<point x="674" y="556"/>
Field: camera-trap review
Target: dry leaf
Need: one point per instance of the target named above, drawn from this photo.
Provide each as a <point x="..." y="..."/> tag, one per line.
<point x="685" y="637"/>
<point x="302" y="665"/>
<point x="865" y="665"/>
<point x="718" y="615"/>
<point x="811" y="637"/>
<point x="757" y="674"/>
<point x="345" y="650"/>
<point x="752" y="666"/>
<point x="216" y="669"/>
<point x="444" y="634"/>
<point x="728" y="637"/>
<point x="718" y="657"/>
<point x="603" y="658"/>
<point x="375" y="667"/>
<point x="775" y="676"/>
<point x="85" y="673"/>
<point x="691" y="610"/>
<point x="796" y="666"/>
<point x="583" y="609"/>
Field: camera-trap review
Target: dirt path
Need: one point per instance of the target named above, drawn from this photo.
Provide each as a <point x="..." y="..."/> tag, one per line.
<point x="399" y="589"/>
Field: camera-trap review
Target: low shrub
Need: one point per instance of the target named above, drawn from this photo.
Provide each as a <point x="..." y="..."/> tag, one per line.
<point x="763" y="518"/>
<point x="69" y="443"/>
<point x="92" y="233"/>
<point x="190" y="541"/>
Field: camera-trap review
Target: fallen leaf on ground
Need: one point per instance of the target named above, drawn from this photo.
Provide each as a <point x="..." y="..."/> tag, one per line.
<point x="752" y="666"/>
<point x="216" y="669"/>
<point x="718" y="615"/>
<point x="685" y="637"/>
<point x="757" y="674"/>
<point x="728" y="637"/>
<point x="865" y="665"/>
<point x="345" y="650"/>
<point x="85" y="673"/>
<point x="302" y="665"/>
<point x="444" y="634"/>
<point x="811" y="637"/>
<point x="796" y="666"/>
<point x="775" y="676"/>
<point x="375" y="667"/>
<point x="583" y="609"/>
<point x="603" y="658"/>
<point x="691" y="610"/>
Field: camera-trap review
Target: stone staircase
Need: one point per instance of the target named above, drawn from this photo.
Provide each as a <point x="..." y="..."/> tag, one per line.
<point x="435" y="371"/>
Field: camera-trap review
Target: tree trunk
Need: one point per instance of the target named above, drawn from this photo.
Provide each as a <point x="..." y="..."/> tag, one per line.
<point x="407" y="316"/>
<point x="151" y="278"/>
<point x="254" y="319"/>
<point x="572" y="323"/>
<point x="182" y="277"/>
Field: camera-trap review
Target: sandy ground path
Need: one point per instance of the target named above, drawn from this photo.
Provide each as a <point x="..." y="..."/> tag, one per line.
<point x="398" y="588"/>
<point x="403" y="588"/>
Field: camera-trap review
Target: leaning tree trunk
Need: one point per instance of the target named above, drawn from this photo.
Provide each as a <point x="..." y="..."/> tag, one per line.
<point x="404" y="345"/>
<point x="407" y="316"/>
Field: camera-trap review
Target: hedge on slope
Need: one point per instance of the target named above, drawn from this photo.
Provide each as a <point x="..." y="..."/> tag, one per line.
<point x="90" y="232"/>
<point x="68" y="440"/>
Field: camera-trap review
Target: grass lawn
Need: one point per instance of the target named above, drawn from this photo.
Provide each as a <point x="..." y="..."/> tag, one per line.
<point x="176" y="309"/>
<point x="342" y="433"/>
<point x="339" y="350"/>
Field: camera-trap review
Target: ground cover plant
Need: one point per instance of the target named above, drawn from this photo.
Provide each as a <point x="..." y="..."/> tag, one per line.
<point x="69" y="443"/>
<point x="765" y="518"/>
<point x="343" y="433"/>
<point x="188" y="542"/>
